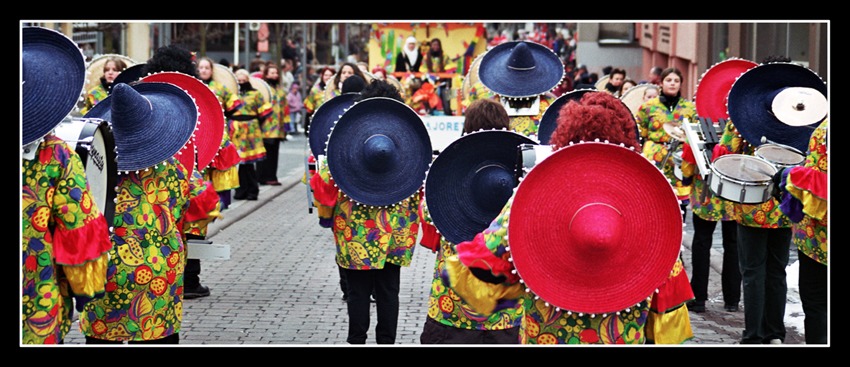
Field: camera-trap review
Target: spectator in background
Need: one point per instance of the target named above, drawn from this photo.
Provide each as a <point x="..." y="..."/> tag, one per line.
<point x="296" y="107"/>
<point x="436" y="59"/>
<point x="654" y="76"/>
<point x="409" y="59"/>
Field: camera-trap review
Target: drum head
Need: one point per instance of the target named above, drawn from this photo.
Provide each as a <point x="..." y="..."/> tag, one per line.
<point x="744" y="168"/>
<point x="780" y="155"/>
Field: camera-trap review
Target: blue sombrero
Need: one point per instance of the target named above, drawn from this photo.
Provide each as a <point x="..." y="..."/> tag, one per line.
<point x="324" y="118"/>
<point x="520" y="69"/>
<point x="549" y="120"/>
<point x="151" y="122"/>
<point x="471" y="180"/>
<point x="378" y="152"/>
<point x="783" y="102"/>
<point x="53" y="75"/>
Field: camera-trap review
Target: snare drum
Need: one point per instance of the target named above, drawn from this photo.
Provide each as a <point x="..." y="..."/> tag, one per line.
<point x="742" y="178"/>
<point x="93" y="141"/>
<point x="781" y="156"/>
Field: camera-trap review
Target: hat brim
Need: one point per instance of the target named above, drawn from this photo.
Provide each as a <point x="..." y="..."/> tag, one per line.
<point x="714" y="85"/>
<point x="210" y="129"/>
<point x="331" y="90"/>
<point x="600" y="84"/>
<point x="633" y="98"/>
<point x="403" y="176"/>
<point x="750" y="97"/>
<point x="174" y="117"/>
<point x="549" y="120"/>
<point x="450" y="188"/>
<point x="130" y="75"/>
<point x="263" y="87"/>
<point x="225" y="76"/>
<point x="471" y="76"/>
<point x="94" y="68"/>
<point x="324" y="118"/>
<point x="53" y="76"/>
<point x="495" y="74"/>
<point x="586" y="276"/>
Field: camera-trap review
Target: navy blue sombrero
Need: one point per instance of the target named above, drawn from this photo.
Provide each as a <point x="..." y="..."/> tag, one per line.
<point x="324" y="118"/>
<point x="471" y="180"/>
<point x="549" y="120"/>
<point x="520" y="69"/>
<point x="378" y="152"/>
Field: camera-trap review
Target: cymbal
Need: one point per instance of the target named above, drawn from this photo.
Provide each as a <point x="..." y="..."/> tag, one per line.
<point x="675" y="131"/>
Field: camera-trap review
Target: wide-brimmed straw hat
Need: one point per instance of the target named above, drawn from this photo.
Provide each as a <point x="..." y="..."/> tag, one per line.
<point x="263" y="87"/>
<point x="549" y="120"/>
<point x="633" y="98"/>
<point x="94" y="69"/>
<point x="151" y="122"/>
<point x="207" y="138"/>
<point x="578" y="228"/>
<point x="53" y="75"/>
<point x="471" y="180"/>
<point x="520" y="69"/>
<point x="378" y="152"/>
<point x="783" y="102"/>
<point x="225" y="76"/>
<point x="714" y="84"/>
<point x="324" y="118"/>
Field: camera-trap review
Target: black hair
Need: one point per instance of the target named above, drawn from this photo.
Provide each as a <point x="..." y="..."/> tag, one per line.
<point x="353" y="83"/>
<point x="379" y="88"/>
<point x="171" y="58"/>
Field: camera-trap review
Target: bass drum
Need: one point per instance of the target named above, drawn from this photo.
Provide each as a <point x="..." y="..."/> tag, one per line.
<point x="93" y="141"/>
<point x="742" y="178"/>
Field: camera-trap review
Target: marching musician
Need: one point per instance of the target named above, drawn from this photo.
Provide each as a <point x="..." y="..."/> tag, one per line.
<point x="582" y="249"/>
<point x="64" y="235"/>
<point x="764" y="231"/>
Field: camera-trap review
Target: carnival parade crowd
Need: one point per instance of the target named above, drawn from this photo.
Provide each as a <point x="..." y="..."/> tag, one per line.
<point x="556" y="216"/>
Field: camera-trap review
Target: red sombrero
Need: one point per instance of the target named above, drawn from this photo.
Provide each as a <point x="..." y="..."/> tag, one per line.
<point x="210" y="127"/>
<point x="594" y="228"/>
<point x="714" y="84"/>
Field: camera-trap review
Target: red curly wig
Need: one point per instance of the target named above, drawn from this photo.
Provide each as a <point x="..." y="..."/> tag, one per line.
<point x="597" y="115"/>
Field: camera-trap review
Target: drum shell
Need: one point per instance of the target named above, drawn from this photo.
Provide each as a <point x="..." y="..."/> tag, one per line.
<point x="677" y="165"/>
<point x="738" y="189"/>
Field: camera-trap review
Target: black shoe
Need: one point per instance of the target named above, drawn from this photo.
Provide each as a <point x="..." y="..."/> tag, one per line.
<point x="199" y="291"/>
<point x="251" y="197"/>
<point x="696" y="306"/>
<point x="731" y="308"/>
<point x="240" y="197"/>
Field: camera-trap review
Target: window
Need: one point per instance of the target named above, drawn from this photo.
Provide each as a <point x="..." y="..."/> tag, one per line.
<point x="616" y="33"/>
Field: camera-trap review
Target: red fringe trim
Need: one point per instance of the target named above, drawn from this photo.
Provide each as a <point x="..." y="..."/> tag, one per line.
<point x="202" y="205"/>
<point x="77" y="246"/>
<point x="228" y="156"/>
<point x="475" y="254"/>
<point x="324" y="193"/>
<point x="810" y="180"/>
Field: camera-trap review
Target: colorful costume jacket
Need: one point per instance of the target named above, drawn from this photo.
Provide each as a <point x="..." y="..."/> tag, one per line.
<point x="204" y="206"/>
<point x="223" y="172"/>
<point x="367" y="237"/>
<point x="805" y="200"/>
<point x="144" y="289"/>
<point x="651" y="117"/>
<point x="541" y="323"/>
<point x="95" y="95"/>
<point x="247" y="134"/>
<point x="764" y="215"/>
<point x="64" y="239"/>
<point x="315" y="98"/>
<point x="448" y="308"/>
<point x="273" y="126"/>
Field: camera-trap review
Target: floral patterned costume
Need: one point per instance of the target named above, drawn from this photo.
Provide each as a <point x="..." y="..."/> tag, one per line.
<point x="95" y="95"/>
<point x="447" y="307"/>
<point x="223" y="172"/>
<point x="144" y="290"/>
<point x="65" y="240"/>
<point x="651" y="117"/>
<point x="274" y="125"/>
<point x="526" y="124"/>
<point x="246" y="132"/>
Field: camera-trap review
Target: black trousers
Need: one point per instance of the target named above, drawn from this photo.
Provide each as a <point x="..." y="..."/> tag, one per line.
<point x="192" y="272"/>
<point x="248" y="183"/>
<point x="763" y="254"/>
<point x="171" y="339"/>
<point x="813" y="290"/>
<point x="267" y="168"/>
<point x="386" y="283"/>
<point x="730" y="276"/>
<point x="436" y="333"/>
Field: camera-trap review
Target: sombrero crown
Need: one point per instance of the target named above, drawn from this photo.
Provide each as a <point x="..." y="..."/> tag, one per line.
<point x="520" y="69"/>
<point x="471" y="180"/>
<point x="577" y="227"/>
<point x="379" y="151"/>
<point x="151" y="122"/>
<point x="53" y="75"/>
